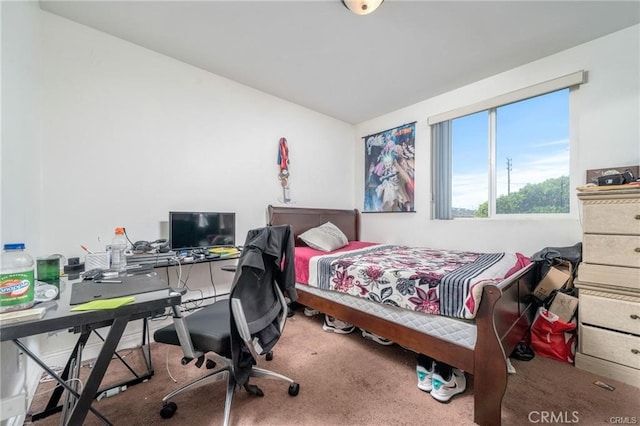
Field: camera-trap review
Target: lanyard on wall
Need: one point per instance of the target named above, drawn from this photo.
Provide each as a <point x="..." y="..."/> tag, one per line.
<point x="283" y="155"/>
<point x="283" y="162"/>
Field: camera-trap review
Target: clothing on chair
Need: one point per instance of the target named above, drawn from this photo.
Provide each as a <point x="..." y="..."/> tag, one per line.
<point x="266" y="261"/>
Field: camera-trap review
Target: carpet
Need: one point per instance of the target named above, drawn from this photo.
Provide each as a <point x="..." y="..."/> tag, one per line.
<point x="348" y="380"/>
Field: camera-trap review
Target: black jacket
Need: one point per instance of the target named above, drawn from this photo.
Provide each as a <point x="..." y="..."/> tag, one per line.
<point x="266" y="260"/>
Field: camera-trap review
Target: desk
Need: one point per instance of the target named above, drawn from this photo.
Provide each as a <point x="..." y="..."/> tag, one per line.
<point x="59" y="317"/>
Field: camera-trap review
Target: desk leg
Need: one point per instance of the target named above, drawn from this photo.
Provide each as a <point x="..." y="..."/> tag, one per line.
<point x="62" y="382"/>
<point x="52" y="406"/>
<point x="97" y="372"/>
<point x="146" y="353"/>
<point x="146" y="348"/>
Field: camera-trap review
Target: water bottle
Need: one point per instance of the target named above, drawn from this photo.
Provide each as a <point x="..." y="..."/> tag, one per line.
<point x="118" y="246"/>
<point x="17" y="286"/>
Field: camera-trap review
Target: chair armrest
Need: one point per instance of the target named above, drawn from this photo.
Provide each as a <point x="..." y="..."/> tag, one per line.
<point x="243" y="327"/>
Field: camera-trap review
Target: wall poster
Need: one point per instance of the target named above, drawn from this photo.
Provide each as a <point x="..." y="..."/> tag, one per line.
<point x="389" y="170"/>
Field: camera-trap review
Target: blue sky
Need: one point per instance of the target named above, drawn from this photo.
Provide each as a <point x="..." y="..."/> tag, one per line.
<point x="534" y="133"/>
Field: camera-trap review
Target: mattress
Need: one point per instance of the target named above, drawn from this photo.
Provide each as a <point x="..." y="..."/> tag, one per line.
<point x="433" y="281"/>
<point x="458" y="331"/>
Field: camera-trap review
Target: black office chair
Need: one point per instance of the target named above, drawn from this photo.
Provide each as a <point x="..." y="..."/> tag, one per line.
<point x="231" y="334"/>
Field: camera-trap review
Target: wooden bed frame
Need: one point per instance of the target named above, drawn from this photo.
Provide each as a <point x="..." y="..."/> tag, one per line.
<point x="505" y="314"/>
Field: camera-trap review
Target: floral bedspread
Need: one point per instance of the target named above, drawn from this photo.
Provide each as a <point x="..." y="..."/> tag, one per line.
<point x="441" y="282"/>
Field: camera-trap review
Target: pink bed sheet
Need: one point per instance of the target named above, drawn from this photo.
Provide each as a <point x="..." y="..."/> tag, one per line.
<point x="304" y="254"/>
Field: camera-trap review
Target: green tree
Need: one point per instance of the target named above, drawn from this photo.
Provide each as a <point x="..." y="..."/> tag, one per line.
<point x="550" y="196"/>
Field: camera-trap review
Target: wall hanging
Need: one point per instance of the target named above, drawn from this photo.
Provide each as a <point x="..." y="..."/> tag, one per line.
<point x="389" y="170"/>
<point x="283" y="175"/>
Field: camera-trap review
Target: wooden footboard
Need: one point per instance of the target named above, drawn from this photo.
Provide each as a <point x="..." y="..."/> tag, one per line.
<point x="504" y="316"/>
<point x="505" y="313"/>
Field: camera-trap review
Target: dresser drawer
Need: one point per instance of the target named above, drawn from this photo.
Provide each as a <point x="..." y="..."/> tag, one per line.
<point x="609" y="276"/>
<point x="617" y="250"/>
<point x="610" y="345"/>
<point x="620" y="216"/>
<point x="619" y="313"/>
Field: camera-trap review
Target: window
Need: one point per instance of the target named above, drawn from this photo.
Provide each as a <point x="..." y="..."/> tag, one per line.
<point x="509" y="158"/>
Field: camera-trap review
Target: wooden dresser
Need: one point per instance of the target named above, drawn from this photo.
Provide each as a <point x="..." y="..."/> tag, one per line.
<point x="608" y="285"/>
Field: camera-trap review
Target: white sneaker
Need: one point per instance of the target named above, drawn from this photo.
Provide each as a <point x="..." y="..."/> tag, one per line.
<point x="425" y="376"/>
<point x="334" y="325"/>
<point x="378" y="339"/>
<point x="443" y="390"/>
<point x="310" y="312"/>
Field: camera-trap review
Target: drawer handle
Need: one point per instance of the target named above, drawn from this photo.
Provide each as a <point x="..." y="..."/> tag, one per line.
<point x="638" y="217"/>
<point x="637" y="249"/>
<point x="634" y="316"/>
<point x="635" y="351"/>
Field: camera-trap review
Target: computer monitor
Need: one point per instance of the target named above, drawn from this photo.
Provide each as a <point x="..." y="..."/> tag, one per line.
<point x="191" y="230"/>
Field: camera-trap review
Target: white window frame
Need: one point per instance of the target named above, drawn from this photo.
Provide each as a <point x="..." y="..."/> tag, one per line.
<point x="570" y="81"/>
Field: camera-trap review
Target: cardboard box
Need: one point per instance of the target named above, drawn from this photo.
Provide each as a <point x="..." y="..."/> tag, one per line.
<point x="564" y="306"/>
<point x="560" y="275"/>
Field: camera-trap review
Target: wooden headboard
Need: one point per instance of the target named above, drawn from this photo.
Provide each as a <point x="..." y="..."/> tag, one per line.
<point x="302" y="219"/>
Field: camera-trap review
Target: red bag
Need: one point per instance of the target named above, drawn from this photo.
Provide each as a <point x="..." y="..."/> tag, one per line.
<point x="553" y="338"/>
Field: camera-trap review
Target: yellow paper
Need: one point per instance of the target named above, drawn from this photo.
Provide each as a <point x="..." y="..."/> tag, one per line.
<point x="113" y="303"/>
<point x="224" y="250"/>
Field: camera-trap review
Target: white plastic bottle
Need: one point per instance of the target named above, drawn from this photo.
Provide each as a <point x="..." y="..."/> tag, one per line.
<point x="17" y="286"/>
<point x="118" y="246"/>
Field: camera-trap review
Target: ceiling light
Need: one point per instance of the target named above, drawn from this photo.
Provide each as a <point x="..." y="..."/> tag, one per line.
<point x="362" y="7"/>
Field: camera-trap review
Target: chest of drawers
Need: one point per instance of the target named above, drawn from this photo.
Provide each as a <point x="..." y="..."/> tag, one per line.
<point x="608" y="285"/>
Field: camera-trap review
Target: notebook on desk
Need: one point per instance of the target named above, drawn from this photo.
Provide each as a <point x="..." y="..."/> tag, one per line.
<point x="87" y="291"/>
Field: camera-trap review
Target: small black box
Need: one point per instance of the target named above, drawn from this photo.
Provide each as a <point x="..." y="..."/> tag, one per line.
<point x="616" y="179"/>
<point x="610" y="180"/>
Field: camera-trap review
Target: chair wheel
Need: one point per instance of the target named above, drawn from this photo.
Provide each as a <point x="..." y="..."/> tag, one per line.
<point x="269" y="356"/>
<point x="294" y="388"/>
<point x="168" y="410"/>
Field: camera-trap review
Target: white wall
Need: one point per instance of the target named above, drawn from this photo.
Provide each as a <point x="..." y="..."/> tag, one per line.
<point x="20" y="170"/>
<point x="126" y="135"/>
<point x="606" y="133"/>
<point x="129" y="134"/>
<point x="20" y="123"/>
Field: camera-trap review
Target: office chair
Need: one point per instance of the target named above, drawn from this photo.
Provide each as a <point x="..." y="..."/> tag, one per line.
<point x="231" y="334"/>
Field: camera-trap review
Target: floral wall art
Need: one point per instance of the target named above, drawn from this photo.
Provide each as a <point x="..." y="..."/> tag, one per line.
<point x="389" y="170"/>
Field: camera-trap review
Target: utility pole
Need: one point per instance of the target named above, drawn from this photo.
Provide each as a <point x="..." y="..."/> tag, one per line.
<point x="508" y="176"/>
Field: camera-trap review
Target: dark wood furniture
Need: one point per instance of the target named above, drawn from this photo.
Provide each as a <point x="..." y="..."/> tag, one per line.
<point x="505" y="314"/>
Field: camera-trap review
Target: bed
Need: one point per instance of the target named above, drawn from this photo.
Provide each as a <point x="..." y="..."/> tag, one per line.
<point x="479" y="346"/>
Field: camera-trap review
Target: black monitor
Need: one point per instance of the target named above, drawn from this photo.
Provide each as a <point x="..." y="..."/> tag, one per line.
<point x="190" y="230"/>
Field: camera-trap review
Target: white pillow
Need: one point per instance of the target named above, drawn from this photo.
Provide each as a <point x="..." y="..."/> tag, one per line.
<point x="326" y="237"/>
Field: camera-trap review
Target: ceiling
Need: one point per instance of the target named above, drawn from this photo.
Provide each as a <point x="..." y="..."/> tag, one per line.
<point x="318" y="54"/>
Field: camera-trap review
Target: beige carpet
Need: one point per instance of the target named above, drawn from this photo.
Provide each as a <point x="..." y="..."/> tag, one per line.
<point x="347" y="380"/>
